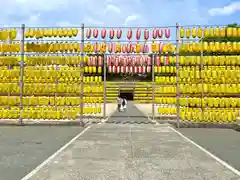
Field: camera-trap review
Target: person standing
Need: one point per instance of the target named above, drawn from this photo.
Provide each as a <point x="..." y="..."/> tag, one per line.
<point x="124" y="104"/>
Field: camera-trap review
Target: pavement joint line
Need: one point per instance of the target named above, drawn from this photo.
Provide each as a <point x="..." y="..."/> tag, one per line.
<point x="49" y="159"/>
<point x="207" y="152"/>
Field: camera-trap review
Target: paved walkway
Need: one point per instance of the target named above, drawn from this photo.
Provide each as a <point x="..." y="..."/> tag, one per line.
<point x="134" y="152"/>
<point x="131" y="115"/>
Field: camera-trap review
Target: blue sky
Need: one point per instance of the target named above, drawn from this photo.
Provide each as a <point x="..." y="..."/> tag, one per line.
<point x="118" y="12"/>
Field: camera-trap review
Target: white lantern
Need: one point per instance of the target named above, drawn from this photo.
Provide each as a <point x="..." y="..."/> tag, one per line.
<point x="126" y="69"/>
<point x="131" y="69"/>
<point x="114" y="69"/>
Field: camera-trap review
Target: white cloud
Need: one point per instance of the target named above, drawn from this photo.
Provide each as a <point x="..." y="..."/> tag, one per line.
<point x="111" y="8"/>
<point x="131" y="18"/>
<point x="226" y="10"/>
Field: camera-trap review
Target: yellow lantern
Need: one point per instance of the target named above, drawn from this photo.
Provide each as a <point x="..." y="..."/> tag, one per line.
<point x="234" y="47"/>
<point x="234" y="32"/>
<point x="199" y="32"/>
<point x="181" y="33"/>
<point x="222" y="32"/>
<point x="206" y="32"/>
<point x="238" y="31"/>
<point x="211" y="32"/>
<point x="217" y="46"/>
<point x="222" y="46"/>
<point x="205" y="46"/>
<point x="217" y="32"/>
<point x="188" y="33"/>
<point x="229" y="32"/>
<point x="194" y="32"/>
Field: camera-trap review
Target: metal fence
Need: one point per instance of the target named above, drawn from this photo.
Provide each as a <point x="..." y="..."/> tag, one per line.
<point x="33" y="35"/>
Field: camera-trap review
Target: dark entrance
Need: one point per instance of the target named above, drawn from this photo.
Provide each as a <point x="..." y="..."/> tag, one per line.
<point x="127" y="94"/>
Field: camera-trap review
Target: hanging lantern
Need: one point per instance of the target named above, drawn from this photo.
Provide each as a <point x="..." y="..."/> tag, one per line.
<point x="119" y="33"/>
<point x="118" y="69"/>
<point x="94" y="60"/>
<point x="143" y="69"/>
<point x="110" y="69"/>
<point x="142" y="48"/>
<point x="166" y="60"/>
<point x="199" y="32"/>
<point x="234" y="32"/>
<point x="129" y="34"/>
<point x="161" y="47"/>
<point x="148" y="69"/>
<point x="132" y="48"/>
<point x="95" y="33"/>
<point x="146" y="48"/>
<point x="139" y="69"/>
<point x="167" y="33"/>
<point x="96" y="47"/>
<point x="116" y="61"/>
<point x="110" y="47"/>
<point x="128" y="46"/>
<point x="103" y="33"/>
<point x="135" y="69"/>
<point x="121" y="59"/>
<point x="134" y="60"/>
<point x="109" y="60"/>
<point x="160" y="33"/>
<point x="217" y="32"/>
<point x="124" y="61"/>
<point x="129" y="60"/>
<point x="100" y="60"/>
<point x="126" y="69"/>
<point x="222" y="32"/>
<point x="194" y="32"/>
<point x="154" y="33"/>
<point x="148" y="60"/>
<point x="211" y="32"/>
<point x="131" y="69"/>
<point x="143" y="62"/>
<point x="111" y="34"/>
<point x="138" y="34"/>
<point x="89" y="33"/>
<point x="124" y="49"/>
<point x="188" y="33"/>
<point x="206" y="32"/>
<point x="90" y="59"/>
<point x="157" y="61"/>
<point x="138" y="58"/>
<point x="182" y="33"/>
<point x="146" y="34"/>
<point x="114" y="69"/>
<point x="122" y="69"/>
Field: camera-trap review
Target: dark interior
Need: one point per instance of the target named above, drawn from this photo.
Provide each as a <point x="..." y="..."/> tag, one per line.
<point x="127" y="94"/>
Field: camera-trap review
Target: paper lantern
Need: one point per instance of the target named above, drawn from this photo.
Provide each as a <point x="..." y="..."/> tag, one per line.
<point x="114" y="69"/>
<point x="138" y="60"/>
<point x="143" y="62"/>
<point x="131" y="69"/>
<point x="95" y="33"/>
<point x="138" y="34"/>
<point x="88" y="33"/>
<point x="109" y="60"/>
<point x="140" y="69"/>
<point x="167" y="33"/>
<point x="100" y="60"/>
<point x="157" y="61"/>
<point x="103" y="33"/>
<point x="149" y="60"/>
<point x="154" y="33"/>
<point x="116" y="60"/>
<point x="127" y="69"/>
<point x="146" y="34"/>
<point x="111" y="34"/>
<point x="119" y="33"/>
<point x="96" y="47"/>
<point x="121" y="59"/>
<point x="135" y="69"/>
<point x="129" y="34"/>
<point x="124" y="48"/>
<point x="143" y="69"/>
<point x="110" y="47"/>
<point x="166" y="60"/>
<point x="90" y="59"/>
<point x="122" y="69"/>
<point x="133" y="60"/>
<point x="160" y="33"/>
<point x="118" y="69"/>
<point x="148" y="69"/>
<point x="94" y="60"/>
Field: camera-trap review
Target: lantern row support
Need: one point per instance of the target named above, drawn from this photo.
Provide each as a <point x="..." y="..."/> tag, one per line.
<point x="177" y="75"/>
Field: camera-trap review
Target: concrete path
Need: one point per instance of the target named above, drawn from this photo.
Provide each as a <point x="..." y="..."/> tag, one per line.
<point x="134" y="152"/>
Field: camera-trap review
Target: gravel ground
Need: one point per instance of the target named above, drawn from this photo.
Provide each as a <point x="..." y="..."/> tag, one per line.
<point x="24" y="148"/>
<point x="224" y="143"/>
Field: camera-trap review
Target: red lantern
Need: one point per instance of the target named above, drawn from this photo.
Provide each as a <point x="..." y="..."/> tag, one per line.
<point x="124" y="48"/>
<point x="138" y="34"/>
<point x="167" y="33"/>
<point x="121" y="59"/>
<point x="142" y="48"/>
<point x="119" y="33"/>
<point x="143" y="69"/>
<point x="131" y="69"/>
<point x="138" y="60"/>
<point x="96" y="47"/>
<point x="94" y="60"/>
<point x="109" y="60"/>
<point x="95" y="33"/>
<point x="135" y="69"/>
<point x="110" y="48"/>
<point x="161" y="47"/>
<point x="129" y="60"/>
<point x="100" y="60"/>
<point x="126" y="69"/>
<point x="146" y="48"/>
<point x="154" y="34"/>
<point x="89" y="33"/>
<point x="149" y="69"/>
<point x="140" y="69"/>
<point x="103" y="33"/>
<point x="143" y="60"/>
<point x="118" y="69"/>
<point x="146" y="34"/>
<point x="134" y="60"/>
<point x="129" y="34"/>
<point x="111" y="34"/>
<point x="110" y="69"/>
<point x="166" y="60"/>
<point x="114" y="48"/>
<point x="114" y="69"/>
<point x="149" y="60"/>
<point x="132" y="49"/>
<point x="157" y="61"/>
<point x="160" y="33"/>
<point x="90" y="60"/>
<point x="116" y="59"/>
<point x="128" y="46"/>
<point x="122" y="69"/>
